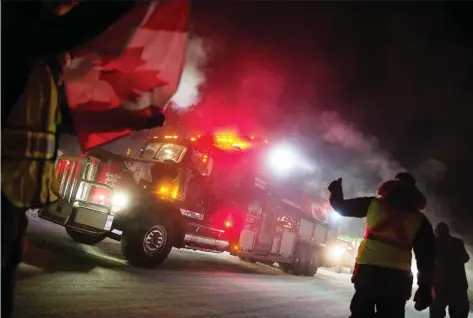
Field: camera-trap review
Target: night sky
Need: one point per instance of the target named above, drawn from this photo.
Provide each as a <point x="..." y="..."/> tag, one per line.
<point x="398" y="72"/>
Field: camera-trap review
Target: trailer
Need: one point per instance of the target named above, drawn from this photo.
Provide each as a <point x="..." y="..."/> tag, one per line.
<point x="293" y="233"/>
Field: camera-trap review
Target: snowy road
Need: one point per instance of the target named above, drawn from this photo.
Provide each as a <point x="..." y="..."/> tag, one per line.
<point x="60" y="278"/>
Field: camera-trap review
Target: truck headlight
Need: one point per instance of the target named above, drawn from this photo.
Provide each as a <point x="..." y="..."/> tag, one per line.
<point x="336" y="252"/>
<point x="120" y="200"/>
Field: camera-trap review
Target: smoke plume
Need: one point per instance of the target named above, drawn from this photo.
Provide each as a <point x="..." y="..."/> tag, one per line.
<point x="193" y="75"/>
<point x="429" y="175"/>
<point x="341" y="150"/>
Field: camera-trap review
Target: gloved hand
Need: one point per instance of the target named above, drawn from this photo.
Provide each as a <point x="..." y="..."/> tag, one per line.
<point x="157" y="120"/>
<point x="335" y="186"/>
<point x="423" y="298"/>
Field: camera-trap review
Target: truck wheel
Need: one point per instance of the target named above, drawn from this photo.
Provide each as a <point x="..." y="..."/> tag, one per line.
<point x="148" y="246"/>
<point x="85" y="238"/>
<point x="313" y="263"/>
<point x="300" y="261"/>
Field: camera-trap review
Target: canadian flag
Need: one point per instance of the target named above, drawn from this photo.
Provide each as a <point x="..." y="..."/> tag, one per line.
<point x="123" y="80"/>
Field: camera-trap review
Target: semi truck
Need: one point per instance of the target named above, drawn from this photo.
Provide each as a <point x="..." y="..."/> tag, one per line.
<point x="211" y="193"/>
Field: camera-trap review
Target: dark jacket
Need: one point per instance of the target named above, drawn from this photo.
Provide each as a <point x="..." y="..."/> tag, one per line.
<point x="450" y="260"/>
<point x="402" y="197"/>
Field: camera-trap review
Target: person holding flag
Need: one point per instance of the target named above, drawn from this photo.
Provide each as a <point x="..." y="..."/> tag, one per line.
<point x="38" y="93"/>
<point x="394" y="227"/>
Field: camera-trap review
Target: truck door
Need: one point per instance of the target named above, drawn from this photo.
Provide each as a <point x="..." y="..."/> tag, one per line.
<point x="264" y="238"/>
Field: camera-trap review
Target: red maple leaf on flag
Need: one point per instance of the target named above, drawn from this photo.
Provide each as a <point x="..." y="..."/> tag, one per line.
<point x="132" y="85"/>
<point x="128" y="73"/>
<point x="128" y="62"/>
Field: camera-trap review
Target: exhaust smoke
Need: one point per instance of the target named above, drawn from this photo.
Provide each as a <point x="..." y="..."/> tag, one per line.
<point x="193" y="75"/>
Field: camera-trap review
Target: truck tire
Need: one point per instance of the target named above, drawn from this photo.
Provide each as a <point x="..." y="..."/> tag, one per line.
<point x="85" y="238"/>
<point x="300" y="261"/>
<point x="148" y="246"/>
<point x="313" y="263"/>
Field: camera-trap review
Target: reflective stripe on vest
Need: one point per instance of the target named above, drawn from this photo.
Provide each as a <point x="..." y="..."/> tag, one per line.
<point x="389" y="236"/>
<point x="18" y="143"/>
<point x="29" y="142"/>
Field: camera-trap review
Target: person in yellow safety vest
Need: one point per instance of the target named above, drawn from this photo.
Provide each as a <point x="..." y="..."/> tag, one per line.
<point x="35" y="35"/>
<point x="394" y="227"/>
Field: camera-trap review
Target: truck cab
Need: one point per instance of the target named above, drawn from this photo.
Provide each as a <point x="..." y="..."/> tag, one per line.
<point x="208" y="222"/>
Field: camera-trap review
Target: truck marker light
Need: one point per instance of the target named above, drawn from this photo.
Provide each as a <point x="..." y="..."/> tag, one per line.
<point x="175" y="193"/>
<point x="228" y="224"/>
<point x="163" y="190"/>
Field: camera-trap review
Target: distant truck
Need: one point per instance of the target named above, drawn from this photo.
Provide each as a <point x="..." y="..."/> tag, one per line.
<point x="210" y="193"/>
<point x="342" y="254"/>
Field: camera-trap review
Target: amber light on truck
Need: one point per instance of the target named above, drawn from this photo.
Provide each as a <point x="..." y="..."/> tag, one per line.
<point x="228" y="224"/>
<point x="168" y="191"/>
<point x="231" y="141"/>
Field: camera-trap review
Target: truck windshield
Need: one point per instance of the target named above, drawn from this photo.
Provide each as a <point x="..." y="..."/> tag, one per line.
<point x="164" y="152"/>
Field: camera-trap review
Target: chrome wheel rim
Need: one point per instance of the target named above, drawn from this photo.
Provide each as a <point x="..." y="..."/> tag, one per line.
<point x="155" y="240"/>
